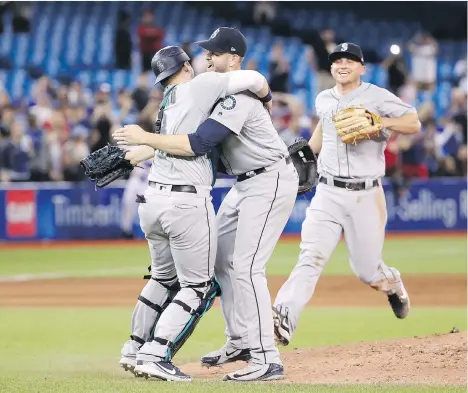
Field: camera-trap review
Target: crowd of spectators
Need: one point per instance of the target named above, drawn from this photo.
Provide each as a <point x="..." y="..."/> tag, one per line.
<point x="43" y="137"/>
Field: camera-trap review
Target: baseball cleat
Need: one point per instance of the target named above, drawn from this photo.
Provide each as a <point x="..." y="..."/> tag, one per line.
<point x="128" y="363"/>
<point x="257" y="372"/>
<point x="400" y="302"/>
<point x="226" y="354"/>
<point x="165" y="371"/>
<point x="281" y="325"/>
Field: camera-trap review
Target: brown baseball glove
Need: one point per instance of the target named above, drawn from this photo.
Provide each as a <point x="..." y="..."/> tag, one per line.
<point x="356" y="123"/>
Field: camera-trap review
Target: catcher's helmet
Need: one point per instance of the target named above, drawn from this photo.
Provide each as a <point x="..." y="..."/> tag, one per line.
<point x="167" y="61"/>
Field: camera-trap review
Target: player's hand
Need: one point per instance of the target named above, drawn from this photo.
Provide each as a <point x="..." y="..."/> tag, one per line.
<point x="130" y="135"/>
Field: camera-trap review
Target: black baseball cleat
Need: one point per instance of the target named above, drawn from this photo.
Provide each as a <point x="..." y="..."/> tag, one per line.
<point x="257" y="372"/>
<point x="400" y="305"/>
<point x="398" y="298"/>
<point x="226" y="354"/>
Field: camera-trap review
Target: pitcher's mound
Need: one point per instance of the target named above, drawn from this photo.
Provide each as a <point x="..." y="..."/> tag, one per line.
<point x="438" y="359"/>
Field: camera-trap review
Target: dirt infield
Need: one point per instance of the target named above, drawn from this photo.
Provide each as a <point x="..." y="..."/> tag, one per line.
<point x="332" y="291"/>
<point x="437" y="359"/>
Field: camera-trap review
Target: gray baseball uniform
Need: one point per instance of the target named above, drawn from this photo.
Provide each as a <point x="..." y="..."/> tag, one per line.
<point x="178" y="220"/>
<point x="342" y="207"/>
<point x="250" y="221"/>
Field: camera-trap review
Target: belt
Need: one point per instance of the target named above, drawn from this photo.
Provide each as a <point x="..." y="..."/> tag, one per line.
<point x="350" y="186"/>
<point x="255" y="172"/>
<point x="176" y="188"/>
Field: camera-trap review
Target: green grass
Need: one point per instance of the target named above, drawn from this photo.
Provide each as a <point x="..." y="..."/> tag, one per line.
<point x="77" y="350"/>
<point x="98" y="383"/>
<point x="39" y="337"/>
<point x="410" y="256"/>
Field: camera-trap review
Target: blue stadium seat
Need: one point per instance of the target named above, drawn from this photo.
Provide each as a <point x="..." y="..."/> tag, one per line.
<point x="78" y="38"/>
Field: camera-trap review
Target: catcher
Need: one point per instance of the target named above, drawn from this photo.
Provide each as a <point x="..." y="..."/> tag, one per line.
<point x="356" y="119"/>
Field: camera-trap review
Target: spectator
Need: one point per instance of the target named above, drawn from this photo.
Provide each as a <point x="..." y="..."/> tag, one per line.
<point x="424" y="62"/>
<point x="412" y="156"/>
<point x="408" y="92"/>
<point x="75" y="150"/>
<point x="460" y="75"/>
<point x="40" y="163"/>
<point x="42" y="110"/>
<point x="150" y="38"/>
<point x="77" y="115"/>
<point x="102" y="121"/>
<point x="279" y="70"/>
<point x="264" y="12"/>
<point x="148" y="115"/>
<point x="4" y="99"/>
<point x="21" y="16"/>
<point x="77" y="95"/>
<point x="396" y="71"/>
<point x="141" y="93"/>
<point x="123" y="42"/>
<point x="15" y="155"/>
<point x="322" y="45"/>
<point x="431" y="146"/>
<point x="7" y="119"/>
<point x="124" y="113"/>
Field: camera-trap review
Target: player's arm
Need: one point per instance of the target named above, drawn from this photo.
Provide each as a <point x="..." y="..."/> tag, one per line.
<point x="248" y="80"/>
<point x="209" y="134"/>
<point x="315" y="141"/>
<point x="208" y="88"/>
<point x="406" y="124"/>
<point x="140" y="154"/>
<point x="398" y="116"/>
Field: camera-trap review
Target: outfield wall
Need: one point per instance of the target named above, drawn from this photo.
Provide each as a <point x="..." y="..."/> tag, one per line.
<point x="39" y="211"/>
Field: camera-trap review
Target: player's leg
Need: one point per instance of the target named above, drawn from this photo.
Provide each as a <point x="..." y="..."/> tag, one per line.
<point x="159" y="291"/>
<point x="321" y="232"/>
<point x="192" y="229"/>
<point x="236" y="346"/>
<point x="266" y="203"/>
<point x="364" y="233"/>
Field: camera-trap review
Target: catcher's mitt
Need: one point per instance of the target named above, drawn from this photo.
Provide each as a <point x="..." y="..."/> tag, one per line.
<point x="305" y="162"/>
<point x="106" y="165"/>
<point x="357" y="123"/>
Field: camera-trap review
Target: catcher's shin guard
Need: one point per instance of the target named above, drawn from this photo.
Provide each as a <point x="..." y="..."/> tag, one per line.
<point x="206" y="293"/>
<point x="152" y="301"/>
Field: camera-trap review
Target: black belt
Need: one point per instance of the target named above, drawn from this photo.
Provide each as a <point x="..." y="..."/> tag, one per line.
<point x="351" y="186"/>
<point x="176" y="188"/>
<point x="255" y="172"/>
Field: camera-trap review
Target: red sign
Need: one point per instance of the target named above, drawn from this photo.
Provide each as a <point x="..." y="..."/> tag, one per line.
<point x="21" y="213"/>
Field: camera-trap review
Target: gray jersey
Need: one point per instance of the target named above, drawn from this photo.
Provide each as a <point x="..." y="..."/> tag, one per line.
<point x="189" y="105"/>
<point x="255" y="142"/>
<point x="365" y="159"/>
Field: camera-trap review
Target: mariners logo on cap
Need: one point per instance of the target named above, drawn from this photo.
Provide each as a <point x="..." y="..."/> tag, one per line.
<point x="228" y="103"/>
<point x="214" y="34"/>
<point x="344" y="47"/>
<point x="160" y="65"/>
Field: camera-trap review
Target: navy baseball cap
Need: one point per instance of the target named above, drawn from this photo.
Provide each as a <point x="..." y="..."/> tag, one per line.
<point x="347" y="50"/>
<point x="226" y="40"/>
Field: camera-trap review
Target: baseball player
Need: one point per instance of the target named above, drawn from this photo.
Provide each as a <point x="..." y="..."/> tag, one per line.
<point x="251" y="217"/>
<point x="356" y="119"/>
<point x="177" y="215"/>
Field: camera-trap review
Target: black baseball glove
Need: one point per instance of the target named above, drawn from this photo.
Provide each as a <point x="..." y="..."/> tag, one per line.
<point x="305" y="162"/>
<point x="106" y="165"/>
